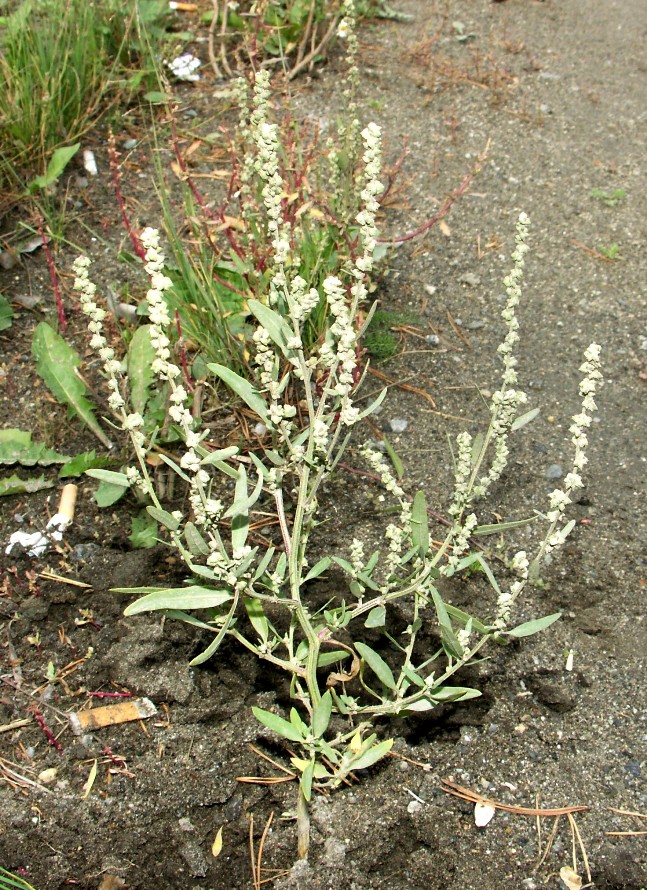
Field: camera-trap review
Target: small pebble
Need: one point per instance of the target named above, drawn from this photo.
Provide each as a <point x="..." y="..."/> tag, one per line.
<point x="474" y="325"/>
<point x="470" y="279"/>
<point x="433" y="339"/>
<point x="633" y="768"/>
<point x="414" y="807"/>
<point x="129" y="144"/>
<point x="554" y="471"/>
<point x="398" y="425"/>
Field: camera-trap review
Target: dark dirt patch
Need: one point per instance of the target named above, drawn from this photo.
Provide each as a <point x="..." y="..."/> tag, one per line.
<point x="559" y="89"/>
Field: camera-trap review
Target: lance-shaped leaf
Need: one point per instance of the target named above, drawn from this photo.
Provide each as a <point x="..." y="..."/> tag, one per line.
<point x="240" y="521"/>
<point x="420" y="524"/>
<point x="58" y="162"/>
<point x="194" y="597"/>
<point x="306" y="780"/>
<point x="243" y="389"/>
<point x="278" y="329"/>
<point x="377" y="664"/>
<point x="172" y="523"/>
<point x="141" y="355"/>
<point x="278" y="725"/>
<point x="322" y="714"/>
<point x="194" y="541"/>
<point x="214" y="645"/>
<point x="453" y="693"/>
<point x="318" y="569"/>
<point x="533" y="627"/>
<point x="256" y="615"/>
<point x="56" y="363"/>
<point x="447" y="635"/>
<point x="372" y="755"/>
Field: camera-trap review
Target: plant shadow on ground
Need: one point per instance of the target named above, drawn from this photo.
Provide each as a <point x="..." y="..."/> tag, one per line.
<point x="166" y="785"/>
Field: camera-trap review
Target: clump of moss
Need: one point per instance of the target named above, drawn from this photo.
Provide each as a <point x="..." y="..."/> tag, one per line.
<point x="379" y="341"/>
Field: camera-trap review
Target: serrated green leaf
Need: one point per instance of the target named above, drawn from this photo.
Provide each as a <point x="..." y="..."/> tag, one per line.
<point x="143" y="531"/>
<point x="322" y="714"/>
<point x="277" y="724"/>
<point x="56" y="363"/>
<point x="376" y="617"/>
<point x="17" y="447"/>
<point x="59" y="161"/>
<point x="374" y="753"/>
<point x="15" y="485"/>
<point x="377" y="664"/>
<point x="420" y="524"/>
<point x="532" y="627"/>
<point x="155" y="599"/>
<point x="141" y="355"/>
<point x="243" y="389"/>
<point x="81" y="463"/>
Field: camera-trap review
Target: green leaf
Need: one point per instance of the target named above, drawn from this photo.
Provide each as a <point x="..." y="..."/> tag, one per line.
<point x="240" y="521"/>
<point x="496" y="527"/>
<point x="523" y="419"/>
<point x="278" y="329"/>
<point x="447" y="635"/>
<point x="215" y="643"/>
<point x="376" y="617"/>
<point x="156" y="97"/>
<point x="109" y="476"/>
<point x="243" y="389"/>
<point x="259" y="622"/>
<point x="373" y="407"/>
<point x="277" y="724"/>
<point x="306" y="780"/>
<point x="143" y="531"/>
<point x="156" y="598"/>
<point x="453" y="693"/>
<point x="16" y="447"/>
<point x="56" y="363"/>
<point x="108" y="494"/>
<point x="318" y="569"/>
<point x="420" y="524"/>
<point x="393" y="457"/>
<point x="172" y="523"/>
<point x="141" y="355"/>
<point x="81" y="463"/>
<point x="59" y="161"/>
<point x="15" y="485"/>
<point x="194" y="541"/>
<point x="322" y="714"/>
<point x="241" y="507"/>
<point x="375" y="753"/>
<point x="533" y="627"/>
<point x="326" y="658"/>
<point x="377" y="665"/>
<point x="6" y="313"/>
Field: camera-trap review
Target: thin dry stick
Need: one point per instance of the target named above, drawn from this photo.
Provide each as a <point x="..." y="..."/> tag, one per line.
<point x="212" y="34"/>
<point x="549" y="844"/>
<point x="637" y="833"/>
<point x="223" y="37"/>
<point x="576" y="834"/>
<point x="473" y="797"/>
<point x="304" y="39"/>
<point x="317" y="49"/>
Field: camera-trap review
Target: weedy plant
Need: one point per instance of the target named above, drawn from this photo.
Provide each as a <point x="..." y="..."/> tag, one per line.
<point x="228" y="258"/>
<point x="309" y="401"/>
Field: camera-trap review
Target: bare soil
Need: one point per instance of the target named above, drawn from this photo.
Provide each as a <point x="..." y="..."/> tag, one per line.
<point x="557" y="89"/>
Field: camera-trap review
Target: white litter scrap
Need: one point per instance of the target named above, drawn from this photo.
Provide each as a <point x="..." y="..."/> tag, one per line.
<point x="36" y="543"/>
<point x="90" y="162"/>
<point x="185" y="67"/>
<point x="483" y="814"/>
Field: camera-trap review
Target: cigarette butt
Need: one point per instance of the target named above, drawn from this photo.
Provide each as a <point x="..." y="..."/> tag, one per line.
<point x="111" y="715"/>
<point x="183" y="7"/>
<point x="68" y="502"/>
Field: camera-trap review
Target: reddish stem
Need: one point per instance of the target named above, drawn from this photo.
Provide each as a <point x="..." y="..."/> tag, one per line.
<point x="51" y="738"/>
<point x="52" y="274"/>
